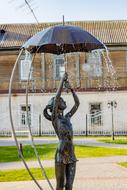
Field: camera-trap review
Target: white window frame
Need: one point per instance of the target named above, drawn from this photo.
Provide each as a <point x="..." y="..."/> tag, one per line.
<point x="25" y="65"/>
<point x="59" y="67"/>
<point x="97" y="119"/>
<point x="94" y="61"/>
<point x="23" y="115"/>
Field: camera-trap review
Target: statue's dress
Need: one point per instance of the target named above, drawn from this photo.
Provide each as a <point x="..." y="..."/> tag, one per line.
<point x="65" y="150"/>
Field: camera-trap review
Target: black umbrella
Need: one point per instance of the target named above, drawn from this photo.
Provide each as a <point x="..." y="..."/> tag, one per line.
<point x="62" y="39"/>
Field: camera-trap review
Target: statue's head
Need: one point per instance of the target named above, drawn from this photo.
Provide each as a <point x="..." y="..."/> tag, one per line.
<point x="61" y="104"/>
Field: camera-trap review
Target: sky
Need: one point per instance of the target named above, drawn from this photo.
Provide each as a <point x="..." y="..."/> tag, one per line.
<point x="11" y="11"/>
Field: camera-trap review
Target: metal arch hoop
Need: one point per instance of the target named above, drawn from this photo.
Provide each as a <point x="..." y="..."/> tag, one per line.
<point x="12" y="124"/>
<point x="30" y="132"/>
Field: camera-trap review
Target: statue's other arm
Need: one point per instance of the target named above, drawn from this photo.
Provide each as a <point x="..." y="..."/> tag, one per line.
<point x="76" y="100"/>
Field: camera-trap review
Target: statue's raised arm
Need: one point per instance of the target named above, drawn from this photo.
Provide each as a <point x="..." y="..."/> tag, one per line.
<point x="57" y="99"/>
<point x="76" y="100"/>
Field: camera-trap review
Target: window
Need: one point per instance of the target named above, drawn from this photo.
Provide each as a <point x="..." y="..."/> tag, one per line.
<point x="59" y="67"/>
<point x="95" y="64"/>
<point x="95" y="114"/>
<point x="24" y="115"/>
<point x="25" y="65"/>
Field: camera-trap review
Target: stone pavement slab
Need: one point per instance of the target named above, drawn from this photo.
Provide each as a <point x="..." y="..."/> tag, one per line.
<point x="92" y="174"/>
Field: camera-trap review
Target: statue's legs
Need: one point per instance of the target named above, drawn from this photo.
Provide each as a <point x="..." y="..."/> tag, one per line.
<point x="65" y="172"/>
<point x="70" y="174"/>
<point x="60" y="175"/>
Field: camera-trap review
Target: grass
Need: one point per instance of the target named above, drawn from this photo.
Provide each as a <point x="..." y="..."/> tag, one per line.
<point x="124" y="164"/>
<point x="23" y="175"/>
<point x="116" y="141"/>
<point x="90" y="136"/>
<point x="10" y="154"/>
<point x="47" y="152"/>
<point x="87" y="152"/>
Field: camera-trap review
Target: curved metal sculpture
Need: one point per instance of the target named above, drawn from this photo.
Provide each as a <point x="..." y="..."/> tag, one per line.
<point x="30" y="132"/>
<point x="56" y="40"/>
<point x="12" y="124"/>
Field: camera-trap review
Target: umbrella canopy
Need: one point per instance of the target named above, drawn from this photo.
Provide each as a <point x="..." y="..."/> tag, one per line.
<point x="62" y="39"/>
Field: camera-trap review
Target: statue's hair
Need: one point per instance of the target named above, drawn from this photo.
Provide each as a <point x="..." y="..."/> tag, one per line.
<point x="51" y="103"/>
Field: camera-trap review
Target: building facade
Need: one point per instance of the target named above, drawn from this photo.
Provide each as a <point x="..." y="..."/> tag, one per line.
<point x="88" y="74"/>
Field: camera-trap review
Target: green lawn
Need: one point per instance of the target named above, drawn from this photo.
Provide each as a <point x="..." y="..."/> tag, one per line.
<point x="47" y="152"/>
<point x="87" y="152"/>
<point x="10" y="154"/>
<point x="116" y="141"/>
<point x="124" y="164"/>
<point x="23" y="175"/>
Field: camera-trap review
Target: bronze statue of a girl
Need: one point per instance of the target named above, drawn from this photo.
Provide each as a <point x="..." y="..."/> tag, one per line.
<point x="65" y="159"/>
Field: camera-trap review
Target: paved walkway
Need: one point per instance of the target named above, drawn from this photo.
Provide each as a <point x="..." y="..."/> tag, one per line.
<point x="78" y="141"/>
<point x="92" y="173"/>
